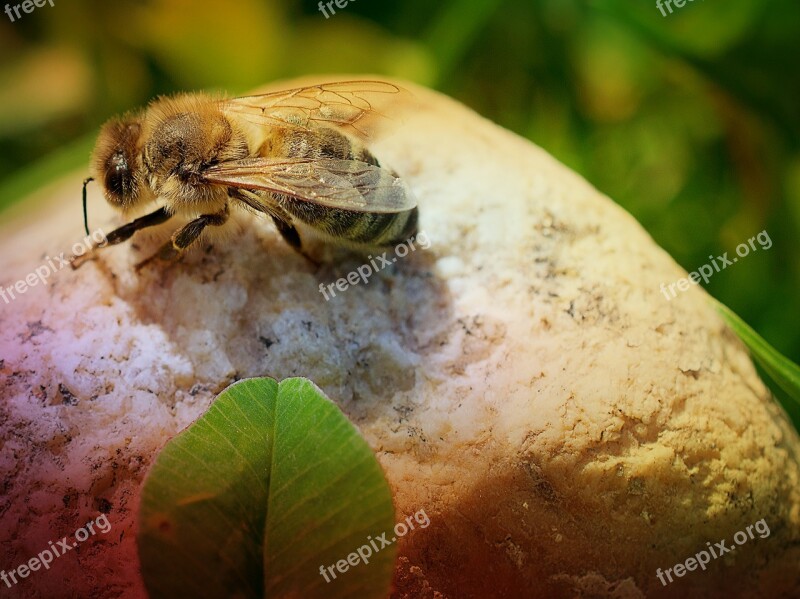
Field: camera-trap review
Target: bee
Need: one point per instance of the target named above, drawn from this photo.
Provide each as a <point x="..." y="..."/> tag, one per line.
<point x="298" y="156"/>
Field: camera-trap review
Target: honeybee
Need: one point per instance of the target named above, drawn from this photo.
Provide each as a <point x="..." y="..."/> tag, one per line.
<point x="298" y="156"/>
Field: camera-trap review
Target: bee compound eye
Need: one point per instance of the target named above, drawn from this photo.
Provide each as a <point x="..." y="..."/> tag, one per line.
<point x="118" y="175"/>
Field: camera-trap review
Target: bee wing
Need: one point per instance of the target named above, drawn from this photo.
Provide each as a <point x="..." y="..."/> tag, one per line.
<point x="355" y="106"/>
<point x="345" y="184"/>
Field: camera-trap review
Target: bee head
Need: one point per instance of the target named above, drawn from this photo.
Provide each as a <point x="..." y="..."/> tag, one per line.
<point x="116" y="162"/>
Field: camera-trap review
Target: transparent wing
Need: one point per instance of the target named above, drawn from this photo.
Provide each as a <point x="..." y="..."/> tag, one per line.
<point x="359" y="107"/>
<point x="346" y="184"/>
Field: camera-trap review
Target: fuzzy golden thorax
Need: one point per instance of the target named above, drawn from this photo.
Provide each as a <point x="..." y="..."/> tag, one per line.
<point x="163" y="152"/>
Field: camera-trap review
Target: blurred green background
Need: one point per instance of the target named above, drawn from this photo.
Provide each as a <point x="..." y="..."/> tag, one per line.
<point x="690" y="121"/>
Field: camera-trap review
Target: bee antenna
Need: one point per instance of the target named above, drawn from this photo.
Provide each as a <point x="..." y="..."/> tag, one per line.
<point x="85" y="216"/>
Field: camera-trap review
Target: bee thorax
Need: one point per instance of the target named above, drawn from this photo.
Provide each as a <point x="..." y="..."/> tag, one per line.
<point x="182" y="142"/>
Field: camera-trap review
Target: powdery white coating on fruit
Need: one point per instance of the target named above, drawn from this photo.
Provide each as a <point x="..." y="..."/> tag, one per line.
<point x="566" y="428"/>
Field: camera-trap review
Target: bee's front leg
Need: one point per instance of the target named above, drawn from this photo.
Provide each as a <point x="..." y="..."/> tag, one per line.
<point x="124" y="233"/>
<point x="186" y="236"/>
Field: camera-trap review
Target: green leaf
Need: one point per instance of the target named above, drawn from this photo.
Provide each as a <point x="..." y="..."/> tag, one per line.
<point x="781" y="369"/>
<point x="270" y="484"/>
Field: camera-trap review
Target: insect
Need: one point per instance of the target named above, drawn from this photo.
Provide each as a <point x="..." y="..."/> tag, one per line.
<point x="298" y="156"/>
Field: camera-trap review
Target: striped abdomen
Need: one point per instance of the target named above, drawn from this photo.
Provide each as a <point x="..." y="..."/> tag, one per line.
<point x="357" y="227"/>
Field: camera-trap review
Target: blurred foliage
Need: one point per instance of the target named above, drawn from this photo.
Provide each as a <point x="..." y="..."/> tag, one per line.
<point x="690" y="121"/>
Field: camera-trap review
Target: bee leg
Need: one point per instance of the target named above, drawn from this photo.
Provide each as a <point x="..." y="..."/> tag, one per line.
<point x="279" y="216"/>
<point x="124" y="233"/>
<point x="292" y="237"/>
<point x="289" y="233"/>
<point x="186" y="236"/>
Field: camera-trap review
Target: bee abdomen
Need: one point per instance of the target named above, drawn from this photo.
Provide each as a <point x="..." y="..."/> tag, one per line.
<point x="368" y="228"/>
